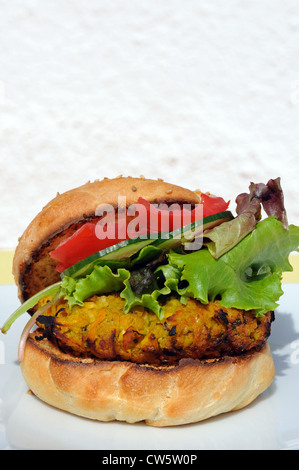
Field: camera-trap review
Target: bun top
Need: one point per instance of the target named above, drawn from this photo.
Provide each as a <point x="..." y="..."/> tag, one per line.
<point x="34" y="269"/>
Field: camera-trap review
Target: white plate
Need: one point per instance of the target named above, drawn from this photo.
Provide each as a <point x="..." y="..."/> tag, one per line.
<point x="270" y="422"/>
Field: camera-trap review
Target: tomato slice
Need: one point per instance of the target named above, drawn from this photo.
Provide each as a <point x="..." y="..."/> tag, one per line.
<point x="85" y="241"/>
<point x="213" y="205"/>
<point x="158" y="218"/>
<point x="163" y="220"/>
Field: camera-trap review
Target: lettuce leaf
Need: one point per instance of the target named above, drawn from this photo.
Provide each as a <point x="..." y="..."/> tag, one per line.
<point x="53" y="290"/>
<point x="105" y="277"/>
<point x="247" y="277"/>
<point x="148" y="299"/>
<point x="100" y="281"/>
<point x="103" y="281"/>
<point x="222" y="238"/>
<point x="269" y="196"/>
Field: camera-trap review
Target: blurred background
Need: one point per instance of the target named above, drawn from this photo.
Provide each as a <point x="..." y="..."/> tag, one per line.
<point x="203" y="94"/>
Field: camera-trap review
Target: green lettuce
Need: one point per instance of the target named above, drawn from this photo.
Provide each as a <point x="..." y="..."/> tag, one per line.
<point x="102" y="280"/>
<point x="53" y="290"/>
<point x="105" y="277"/>
<point x="246" y="277"/>
<point x="147" y="300"/>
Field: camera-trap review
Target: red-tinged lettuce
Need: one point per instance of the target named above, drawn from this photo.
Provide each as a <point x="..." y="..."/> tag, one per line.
<point x="269" y="195"/>
<point x="224" y="237"/>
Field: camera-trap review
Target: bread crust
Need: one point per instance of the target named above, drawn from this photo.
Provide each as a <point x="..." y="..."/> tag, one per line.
<point x="74" y="207"/>
<point x="188" y="392"/>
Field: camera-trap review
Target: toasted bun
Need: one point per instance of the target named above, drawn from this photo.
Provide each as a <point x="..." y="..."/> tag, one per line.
<point x="191" y="391"/>
<point x="33" y="268"/>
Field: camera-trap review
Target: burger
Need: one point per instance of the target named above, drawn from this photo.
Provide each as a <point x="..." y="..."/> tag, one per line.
<point x="151" y="302"/>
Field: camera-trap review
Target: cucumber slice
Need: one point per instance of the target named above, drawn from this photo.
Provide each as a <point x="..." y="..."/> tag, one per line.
<point x="119" y="255"/>
<point x="186" y="234"/>
<point x="114" y="256"/>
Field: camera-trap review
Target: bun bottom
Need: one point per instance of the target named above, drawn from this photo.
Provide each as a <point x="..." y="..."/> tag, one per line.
<point x="191" y="391"/>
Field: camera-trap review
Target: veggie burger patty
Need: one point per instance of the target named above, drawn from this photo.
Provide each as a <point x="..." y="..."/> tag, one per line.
<point x="194" y="330"/>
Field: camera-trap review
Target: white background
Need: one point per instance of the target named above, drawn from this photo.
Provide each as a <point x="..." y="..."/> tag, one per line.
<point x="201" y="93"/>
